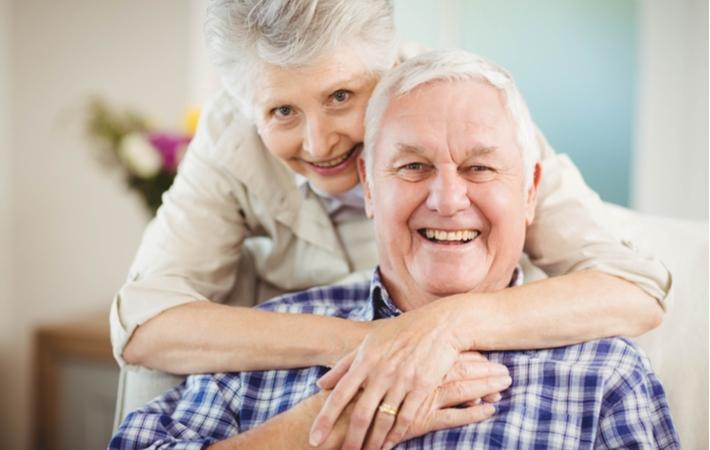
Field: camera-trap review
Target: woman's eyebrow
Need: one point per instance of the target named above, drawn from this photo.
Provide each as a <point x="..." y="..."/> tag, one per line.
<point x="356" y="79"/>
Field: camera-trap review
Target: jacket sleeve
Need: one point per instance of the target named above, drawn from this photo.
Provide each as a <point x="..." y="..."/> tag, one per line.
<point x="190" y="250"/>
<point x="571" y="231"/>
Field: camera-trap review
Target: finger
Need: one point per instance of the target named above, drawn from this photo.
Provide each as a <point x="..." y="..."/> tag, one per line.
<point x="471" y="355"/>
<point x="331" y="378"/>
<point x="383" y="421"/>
<point x="474" y="369"/>
<point x="458" y="417"/>
<point x="459" y="392"/>
<point x="344" y="391"/>
<point x="364" y="412"/>
<point x="406" y="416"/>
<point x="492" y="398"/>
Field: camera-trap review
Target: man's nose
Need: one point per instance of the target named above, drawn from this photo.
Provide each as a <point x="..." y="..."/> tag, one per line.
<point x="318" y="137"/>
<point x="448" y="193"/>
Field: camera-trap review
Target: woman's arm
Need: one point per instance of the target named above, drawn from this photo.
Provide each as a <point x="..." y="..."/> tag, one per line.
<point x="552" y="312"/>
<point x="563" y="310"/>
<point x="208" y="337"/>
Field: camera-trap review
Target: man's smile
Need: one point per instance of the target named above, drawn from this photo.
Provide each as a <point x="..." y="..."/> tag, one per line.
<point x="449" y="237"/>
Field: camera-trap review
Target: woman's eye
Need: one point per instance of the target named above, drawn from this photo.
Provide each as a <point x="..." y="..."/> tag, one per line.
<point x="479" y="168"/>
<point x="282" y="112"/>
<point x="341" y="96"/>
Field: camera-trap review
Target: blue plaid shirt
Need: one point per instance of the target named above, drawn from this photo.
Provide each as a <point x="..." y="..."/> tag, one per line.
<point x="599" y="394"/>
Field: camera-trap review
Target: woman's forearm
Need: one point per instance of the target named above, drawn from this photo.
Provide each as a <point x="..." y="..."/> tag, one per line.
<point x="209" y="337"/>
<point x="563" y="310"/>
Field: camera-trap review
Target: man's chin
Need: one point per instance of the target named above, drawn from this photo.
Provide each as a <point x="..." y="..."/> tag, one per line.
<point x="447" y="287"/>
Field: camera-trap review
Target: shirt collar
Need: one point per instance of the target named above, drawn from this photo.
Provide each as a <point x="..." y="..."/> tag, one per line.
<point x="381" y="305"/>
<point x="350" y="199"/>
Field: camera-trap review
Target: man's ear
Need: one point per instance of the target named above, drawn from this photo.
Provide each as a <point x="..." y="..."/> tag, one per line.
<point x="532" y="194"/>
<point x="362" y="173"/>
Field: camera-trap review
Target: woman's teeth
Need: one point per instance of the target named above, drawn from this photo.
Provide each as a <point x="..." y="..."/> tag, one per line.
<point x="336" y="161"/>
<point x="441" y="235"/>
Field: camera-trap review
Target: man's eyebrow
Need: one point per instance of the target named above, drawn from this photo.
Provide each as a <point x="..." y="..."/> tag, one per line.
<point x="480" y="150"/>
<point x="409" y="149"/>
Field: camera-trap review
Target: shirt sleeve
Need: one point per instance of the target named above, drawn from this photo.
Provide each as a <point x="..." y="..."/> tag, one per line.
<point x="571" y="231"/>
<point x="634" y="411"/>
<point x="190" y="250"/>
<point x="191" y="416"/>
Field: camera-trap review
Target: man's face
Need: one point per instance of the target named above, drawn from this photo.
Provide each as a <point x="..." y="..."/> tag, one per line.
<point x="448" y="197"/>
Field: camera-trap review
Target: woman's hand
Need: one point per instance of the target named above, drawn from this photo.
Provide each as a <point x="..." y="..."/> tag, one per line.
<point x="400" y="363"/>
<point x="455" y="403"/>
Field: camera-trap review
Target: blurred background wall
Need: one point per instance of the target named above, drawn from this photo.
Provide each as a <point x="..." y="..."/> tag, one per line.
<point x="626" y="98"/>
<point x="620" y="86"/>
<point x="73" y="228"/>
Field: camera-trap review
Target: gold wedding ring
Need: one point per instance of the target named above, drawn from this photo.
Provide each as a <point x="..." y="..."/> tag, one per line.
<point x="388" y="409"/>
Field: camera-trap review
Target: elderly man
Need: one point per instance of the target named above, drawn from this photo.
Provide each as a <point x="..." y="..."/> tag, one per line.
<point x="450" y="178"/>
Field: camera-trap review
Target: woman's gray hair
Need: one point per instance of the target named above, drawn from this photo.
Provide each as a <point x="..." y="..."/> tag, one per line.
<point x="241" y="34"/>
<point x="450" y="65"/>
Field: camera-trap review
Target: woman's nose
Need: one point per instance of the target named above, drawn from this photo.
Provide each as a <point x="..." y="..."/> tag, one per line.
<point x="448" y="193"/>
<point x="317" y="139"/>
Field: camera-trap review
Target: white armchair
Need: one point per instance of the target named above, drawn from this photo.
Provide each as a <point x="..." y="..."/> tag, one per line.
<point x="678" y="349"/>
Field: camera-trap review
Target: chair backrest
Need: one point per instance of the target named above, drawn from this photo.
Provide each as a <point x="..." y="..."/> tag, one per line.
<point x="138" y="386"/>
<point x="678" y="349"/>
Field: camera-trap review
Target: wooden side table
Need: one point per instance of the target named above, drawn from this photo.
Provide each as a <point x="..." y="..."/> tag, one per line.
<point x="75" y="384"/>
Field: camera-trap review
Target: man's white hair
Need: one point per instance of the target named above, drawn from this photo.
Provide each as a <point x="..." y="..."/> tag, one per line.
<point x="242" y="34"/>
<point x="451" y="66"/>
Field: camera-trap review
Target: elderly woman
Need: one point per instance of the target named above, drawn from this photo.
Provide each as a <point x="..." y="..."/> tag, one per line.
<point x="267" y="201"/>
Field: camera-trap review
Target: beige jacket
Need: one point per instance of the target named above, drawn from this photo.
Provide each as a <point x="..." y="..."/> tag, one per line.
<point x="234" y="228"/>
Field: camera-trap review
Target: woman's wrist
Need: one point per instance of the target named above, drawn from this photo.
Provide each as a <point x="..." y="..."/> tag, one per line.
<point x="346" y="338"/>
<point x="474" y="318"/>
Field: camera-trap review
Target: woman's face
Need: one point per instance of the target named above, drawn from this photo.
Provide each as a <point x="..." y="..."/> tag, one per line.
<point x="312" y="117"/>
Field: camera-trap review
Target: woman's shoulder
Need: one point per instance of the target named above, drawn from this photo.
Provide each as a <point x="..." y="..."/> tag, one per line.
<point x="228" y="139"/>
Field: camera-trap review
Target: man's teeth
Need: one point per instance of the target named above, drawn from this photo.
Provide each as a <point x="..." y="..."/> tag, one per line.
<point x="441" y="235"/>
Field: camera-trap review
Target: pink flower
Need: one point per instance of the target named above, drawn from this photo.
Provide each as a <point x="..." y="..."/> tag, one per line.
<point x="170" y="146"/>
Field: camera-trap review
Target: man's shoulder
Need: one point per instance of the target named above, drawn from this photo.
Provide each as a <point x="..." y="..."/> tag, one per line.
<point x="618" y="353"/>
<point x="610" y="358"/>
<point x="343" y="300"/>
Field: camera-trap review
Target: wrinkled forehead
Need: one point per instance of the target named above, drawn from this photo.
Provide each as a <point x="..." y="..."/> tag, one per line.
<point x="456" y="117"/>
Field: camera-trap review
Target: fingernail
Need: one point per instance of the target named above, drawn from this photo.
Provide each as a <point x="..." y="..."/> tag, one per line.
<point x="388" y="446"/>
<point x="489" y="409"/>
<point x="496" y="398"/>
<point x="315" y="438"/>
<point x="500" y="370"/>
<point x="503" y="381"/>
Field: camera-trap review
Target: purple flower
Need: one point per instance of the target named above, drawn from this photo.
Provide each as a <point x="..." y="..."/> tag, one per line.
<point x="170" y="146"/>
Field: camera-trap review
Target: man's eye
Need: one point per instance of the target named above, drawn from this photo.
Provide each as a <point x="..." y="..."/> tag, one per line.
<point x="479" y="173"/>
<point x="415" y="167"/>
<point x="340" y="96"/>
<point x="282" y="112"/>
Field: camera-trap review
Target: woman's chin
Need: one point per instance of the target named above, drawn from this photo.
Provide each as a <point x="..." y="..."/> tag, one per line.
<point x="334" y="184"/>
